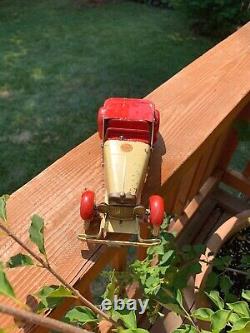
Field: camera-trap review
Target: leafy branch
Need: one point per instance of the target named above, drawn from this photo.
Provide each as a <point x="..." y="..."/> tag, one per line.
<point x="47" y="266"/>
<point x="39" y="320"/>
<point x="36" y="233"/>
<point x="227" y="269"/>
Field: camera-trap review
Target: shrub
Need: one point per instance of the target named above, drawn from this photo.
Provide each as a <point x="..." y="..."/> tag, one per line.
<point x="215" y="17"/>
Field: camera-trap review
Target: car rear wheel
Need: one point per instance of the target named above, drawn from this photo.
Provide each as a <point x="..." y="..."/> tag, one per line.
<point x="87" y="206"/>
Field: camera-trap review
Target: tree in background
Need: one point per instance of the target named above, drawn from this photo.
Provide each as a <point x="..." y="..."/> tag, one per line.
<point x="215" y="17"/>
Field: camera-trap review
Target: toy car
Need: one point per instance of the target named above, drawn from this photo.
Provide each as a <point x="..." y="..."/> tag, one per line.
<point x="128" y="129"/>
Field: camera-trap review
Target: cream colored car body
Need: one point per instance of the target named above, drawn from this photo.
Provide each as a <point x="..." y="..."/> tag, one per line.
<point x="125" y="166"/>
<point x="125" y="171"/>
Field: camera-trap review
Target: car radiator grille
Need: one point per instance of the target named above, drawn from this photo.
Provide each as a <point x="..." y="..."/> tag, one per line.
<point x="121" y="212"/>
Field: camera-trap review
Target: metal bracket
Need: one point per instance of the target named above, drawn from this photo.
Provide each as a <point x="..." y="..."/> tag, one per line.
<point x="96" y="238"/>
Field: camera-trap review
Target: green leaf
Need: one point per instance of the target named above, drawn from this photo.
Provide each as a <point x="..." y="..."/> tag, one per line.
<point x="166" y="222"/>
<point x="179" y="297"/>
<point x="222" y="263"/>
<point x="225" y="284"/>
<point x="163" y="269"/>
<point x="241" y="326"/>
<point x="51" y="296"/>
<point x="219" y="320"/>
<point x="112" y="288"/>
<point x="45" y="291"/>
<point x="231" y="298"/>
<point x="3" y="213"/>
<point x="36" y="232"/>
<point x="80" y="315"/>
<point x="132" y="330"/>
<point x="199" y="249"/>
<point x="212" y="281"/>
<point x="61" y="292"/>
<point x="20" y="260"/>
<point x="240" y="308"/>
<point x="156" y="249"/>
<point x="185" y="329"/>
<point x="203" y="314"/>
<point x="150" y="281"/>
<point x="5" y="286"/>
<point x="167" y="237"/>
<point x="245" y="261"/>
<point x="167" y="257"/>
<point x="192" y="251"/>
<point x="127" y="317"/>
<point x="234" y="317"/>
<point x="216" y="299"/>
<point x="194" y="268"/>
<point x="182" y="275"/>
<point x="166" y="298"/>
<point x="42" y="295"/>
<point x="246" y="295"/>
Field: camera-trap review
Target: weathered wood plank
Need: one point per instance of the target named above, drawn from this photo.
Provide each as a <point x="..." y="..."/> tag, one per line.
<point x="202" y="98"/>
<point x="246" y="172"/>
<point x="237" y="180"/>
<point x="194" y="205"/>
<point x="245" y="113"/>
<point x="229" y="149"/>
<point x="231" y="204"/>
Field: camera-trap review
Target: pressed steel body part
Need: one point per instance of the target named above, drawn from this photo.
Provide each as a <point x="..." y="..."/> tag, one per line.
<point x="128" y="129"/>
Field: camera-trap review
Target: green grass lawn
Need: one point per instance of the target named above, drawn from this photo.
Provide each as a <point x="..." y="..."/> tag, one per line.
<point x="59" y="63"/>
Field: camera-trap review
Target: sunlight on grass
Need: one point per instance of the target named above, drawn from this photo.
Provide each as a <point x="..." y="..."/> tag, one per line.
<point x="4" y="92"/>
<point x="60" y="62"/>
<point x="16" y="40"/>
<point x="37" y="74"/>
<point x="23" y="137"/>
<point x="13" y="56"/>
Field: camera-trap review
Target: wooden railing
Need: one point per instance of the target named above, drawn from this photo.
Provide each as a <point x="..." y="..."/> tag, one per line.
<point x="198" y="107"/>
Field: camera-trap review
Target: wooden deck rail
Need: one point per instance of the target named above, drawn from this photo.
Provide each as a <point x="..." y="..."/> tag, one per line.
<point x="198" y="107"/>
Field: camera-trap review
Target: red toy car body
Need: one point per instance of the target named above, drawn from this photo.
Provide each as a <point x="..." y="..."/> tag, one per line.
<point x="131" y="118"/>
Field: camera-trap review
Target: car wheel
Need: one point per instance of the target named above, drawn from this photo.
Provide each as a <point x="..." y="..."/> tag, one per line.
<point x="87" y="206"/>
<point x="156" y="206"/>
